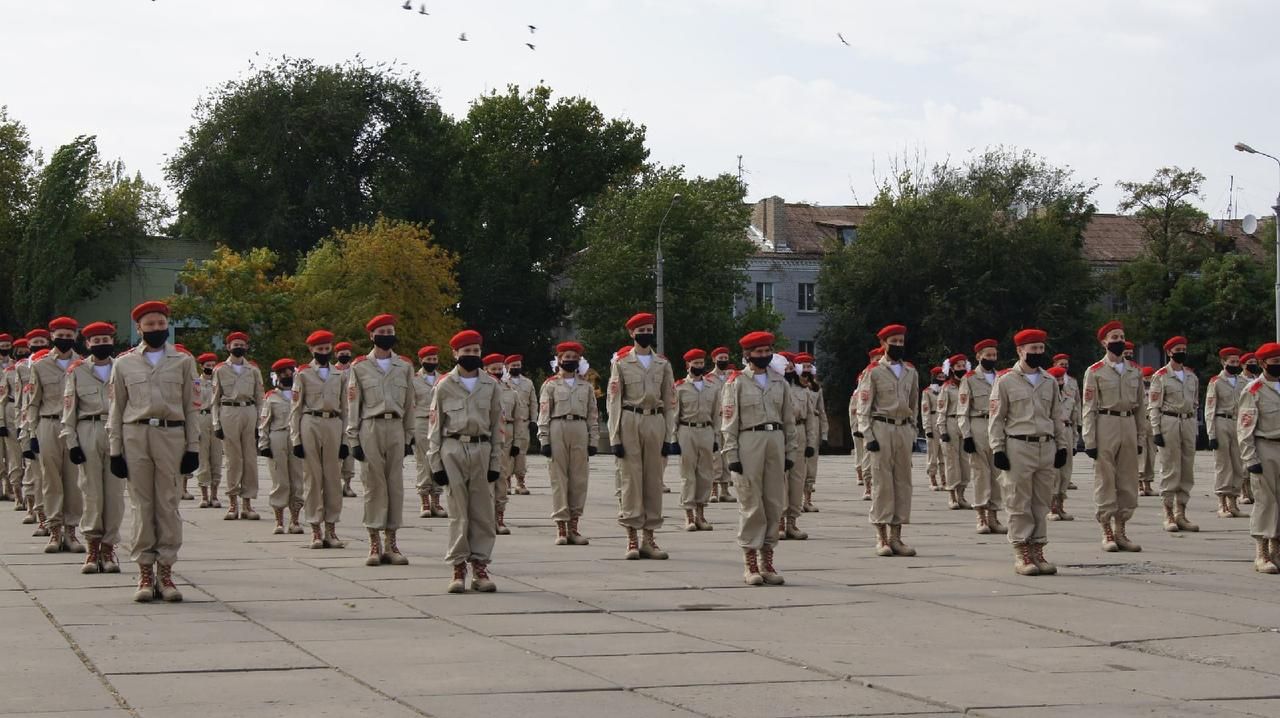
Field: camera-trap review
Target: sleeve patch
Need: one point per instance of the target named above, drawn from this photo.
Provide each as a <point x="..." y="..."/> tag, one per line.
<point x="964" y="399"/>
<point x="1246" y="419"/>
<point x="994" y="406"/>
<point x="727" y="412"/>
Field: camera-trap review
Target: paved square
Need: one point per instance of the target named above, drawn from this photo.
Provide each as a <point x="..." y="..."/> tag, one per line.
<point x="270" y="627"/>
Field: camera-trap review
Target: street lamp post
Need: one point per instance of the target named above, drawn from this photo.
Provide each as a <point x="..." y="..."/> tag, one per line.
<point x="675" y="198"/>
<point x="1242" y="147"/>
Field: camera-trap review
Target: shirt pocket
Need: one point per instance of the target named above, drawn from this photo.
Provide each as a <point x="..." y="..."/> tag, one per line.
<point x="455" y="413"/>
<point x="136" y="389"/>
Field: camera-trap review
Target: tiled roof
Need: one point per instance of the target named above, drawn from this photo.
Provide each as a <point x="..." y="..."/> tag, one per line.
<point x="1115" y="238"/>
<point x="814" y="229"/>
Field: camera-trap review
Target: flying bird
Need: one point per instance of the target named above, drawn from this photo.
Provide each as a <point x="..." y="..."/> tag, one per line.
<point x="462" y="37"/>
<point x="407" y="5"/>
<point x="846" y="42"/>
<point x="532" y="28"/>
<point x="530" y="46"/>
<point x="422" y="9"/>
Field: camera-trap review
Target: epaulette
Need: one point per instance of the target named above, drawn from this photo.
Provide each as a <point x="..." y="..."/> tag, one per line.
<point x="733" y="375"/>
<point x="1254" y="386"/>
<point x="1213" y="378"/>
<point x="218" y="365"/>
<point x="74" y="364"/>
<point x="913" y="366"/>
<point x="1002" y="372"/>
<point x="679" y="382"/>
<point x="1097" y="365"/>
<point x="357" y="360"/>
<point x="405" y="358"/>
<point x="550" y="379"/>
<point x="970" y="373"/>
<point x="1162" y="371"/>
<point x="268" y="394"/>
<point x="251" y="362"/>
<point x="11" y="367"/>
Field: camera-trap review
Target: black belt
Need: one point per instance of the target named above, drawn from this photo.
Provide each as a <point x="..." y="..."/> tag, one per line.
<point x="51" y="416"/>
<point x="93" y="417"/>
<point x="205" y="411"/>
<point x="9" y="398"/>
<point x="569" y="417"/>
<point x="1178" y="415"/>
<point x="1267" y="438"/>
<point x="1220" y="415"/>
<point x="954" y="416"/>
<point x="385" y="415"/>
<point x="1121" y="414"/>
<point x="763" y="427"/>
<point x="980" y="416"/>
<point x="696" y="424"/>
<point x="163" y="423"/>
<point x="468" y="439"/>
<point x="1032" y="439"/>
<point x="236" y="403"/>
<point x="321" y="414"/>
<point x="642" y="412"/>
<point x="892" y="422"/>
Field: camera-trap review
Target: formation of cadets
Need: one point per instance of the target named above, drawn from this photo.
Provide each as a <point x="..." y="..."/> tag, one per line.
<point x="75" y="429"/>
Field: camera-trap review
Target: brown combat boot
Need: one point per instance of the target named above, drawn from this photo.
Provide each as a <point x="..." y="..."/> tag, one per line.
<point x="55" y="540"/>
<point x="1223" y="511"/>
<point x="793" y="531"/>
<point x="501" y="518"/>
<point x="715" y="486"/>
<point x="459" y="582"/>
<point x="233" y="509"/>
<point x="108" y="556"/>
<point x="1108" y="538"/>
<point x="346" y="489"/>
<point x="690" y="523"/>
<point x="186" y="494"/>
<point x="331" y="539"/>
<point x="782" y="529"/>
<point x="649" y="547"/>
<point x="1263" y="561"/>
<point x="1037" y="557"/>
<point x="767" y="571"/>
<point x="30" y="508"/>
<point x="392" y="551"/>
<point x="808" y="506"/>
<point x="164" y="583"/>
<point x="279" y="529"/>
<point x="42" y="524"/>
<point x="1122" y="539"/>
<point x="480" y="578"/>
<point x="960" y="499"/>
<point x="952" y="503"/>
<point x="866" y="493"/>
<point x="882" y="540"/>
<point x="425" y="508"/>
<point x="204" y="497"/>
<point x="146" y="584"/>
<point x="247" y="512"/>
<point x="1062" y="510"/>
<point x="1275" y="551"/>
<point x="91" y="561"/>
<point x="69" y="540"/>
<point x="1024" y="563"/>
<point x="895" y="542"/>
<point x="725" y="496"/>
<point x="19" y="501"/>
<point x="375" y="549"/>
<point x="214" y="501"/>
<point x="700" y="516"/>
<point x="576" y="538"/>
<point x="633" y="545"/>
<point x="437" y="511"/>
<point x="1180" y="517"/>
<point x="520" y="489"/>
<point x="982" y="527"/>
<point x="1233" y="507"/>
<point x="317" y="538"/>
<point x="993" y="520"/>
<point x="294" y="526"/>
<point x="751" y="574"/>
<point x="562" y="533"/>
<point x="933" y="482"/>
<point x="1170" y="524"/>
<point x="1246" y="492"/>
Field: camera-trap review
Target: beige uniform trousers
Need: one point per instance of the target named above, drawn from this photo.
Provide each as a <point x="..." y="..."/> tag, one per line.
<point x="1176" y="459"/>
<point x="793" y="486"/>
<point x="153" y="454"/>
<point x="933" y="456"/>
<point x="1115" y="472"/>
<point x="210" y="471"/>
<point x="286" y="472"/>
<point x="954" y="460"/>
<point x="426" y="487"/>
<point x="1228" y="470"/>
<point x="698" y="464"/>
<point x="982" y="469"/>
<point x="103" y="493"/>
<point x="33" y="482"/>
<point x="472" y="524"/>
<point x="321" y="469"/>
<point x="891" y="474"/>
<point x="12" y="450"/>
<point x="761" y="499"/>
<point x="1147" y="461"/>
<point x="239" y="424"/>
<point x="862" y="457"/>
<point x="348" y="469"/>
<point x="1064" y="474"/>
<point x="63" y="502"/>
<point x="1028" y="489"/>
<point x="502" y="487"/>
<point x="570" y="467"/>
<point x="1264" y="522"/>
<point x="520" y="467"/>
<point x="383" y="442"/>
<point x="642" y="468"/>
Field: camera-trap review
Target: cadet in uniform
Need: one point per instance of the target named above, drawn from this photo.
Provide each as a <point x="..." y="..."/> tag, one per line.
<point x="424" y="385"/>
<point x="33" y="473"/>
<point x="861" y="456"/>
<point x="760" y="446"/>
<point x="722" y="481"/>
<point x="342" y="352"/>
<point x="86" y="399"/>
<point x="1252" y="370"/>
<point x="809" y="380"/>
<point x="154" y="439"/>
<point x="8" y="490"/>
<point x="526" y="396"/>
<point x="642" y="431"/>
<point x="464" y="448"/>
<point x="1171" y="411"/>
<point x="273" y="443"/>
<point x="929" y="420"/>
<point x="1113" y="431"/>
<point x="886" y="417"/>
<point x="209" y="475"/>
<point x="1220" y="401"/>
<point x="316" y="422"/>
<point x="1258" y="431"/>
<point x="697" y="408"/>
<point x="806" y="429"/>
<point x="568" y="430"/>
<point x="1028" y="443"/>
<point x="514" y="419"/>
<point x="10" y="392"/>
<point x="236" y="403"/>
<point x="63" y="503"/>
<point x="1070" y="415"/>
<point x="1146" y="449"/>
<point x="947" y="428"/>
<point x="975" y="415"/>
<point x="379" y="432"/>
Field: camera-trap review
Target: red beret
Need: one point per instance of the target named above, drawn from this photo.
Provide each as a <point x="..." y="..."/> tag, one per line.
<point x="320" y="336"/>
<point x="693" y="354"/>
<point x="1148" y="371"/>
<point x="513" y="358"/>
<point x="465" y="338"/>
<point x="19" y="343"/>
<point x="755" y="340"/>
<point x="429" y="350"/>
<point x="233" y="336"/>
<point x="1244" y="358"/>
<point x="494" y="358"/>
<point x="1129" y="346"/>
<point x="382" y="320"/>
<point x="64" y="323"/>
<point x="1029" y="336"/>
<point x="1225" y="352"/>
<point x="282" y="364"/>
<point x="1270" y="350"/>
<point x="1057" y="372"/>
<point x="206" y="358"/>
<point x="6" y="337"/>
<point x="40" y="355"/>
<point x="563" y="347"/>
<point x="892" y="330"/>
<point x="804" y="358"/>
<point x="641" y="320"/>
<point x="937" y="370"/>
<point x="149" y="308"/>
<point x="37" y="334"/>
<point x="1173" y="342"/>
<point x="99" y="329"/>
<point x="1059" y="357"/>
<point x="718" y="351"/>
<point x="1109" y="327"/>
<point x="789" y="356"/>
<point x="957" y="358"/>
<point x="985" y="344"/>
<point x="875" y="353"/>
<point x="340" y="346"/>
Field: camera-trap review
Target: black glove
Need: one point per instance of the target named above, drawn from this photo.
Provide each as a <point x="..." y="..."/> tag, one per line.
<point x="546" y="450"/>
<point x="591" y="450"/>
<point x="823" y="445"/>
<point x="268" y="453"/>
<point x="218" y="433"/>
<point x="1159" y="440"/>
<point x="1139" y="449"/>
<point x="439" y="478"/>
<point x="1255" y="468"/>
<point x="808" y="452"/>
<point x="787" y="464"/>
<point x="299" y="452"/>
<point x="873" y="446"/>
<point x="119" y="468"/>
<point x="29" y="455"/>
<point x="1001" y="460"/>
<point x="928" y="434"/>
<point x="618" y="451"/>
<point x="35" y="445"/>
<point x="1060" y="459"/>
<point x="77" y="455"/>
<point x="4" y="432"/>
<point x="515" y="450"/>
<point x="1213" y="444"/>
<point x="358" y="453"/>
<point x="408" y="449"/>
<point x="343" y="452"/>
<point x="735" y="467"/>
<point x="715" y="447"/>
<point x="493" y="476"/>
<point x="1093" y="453"/>
<point x="190" y="462"/>
<point x="946" y="438"/>
<point x="857" y="434"/>
<point x="675" y="449"/>
<point x="969" y="446"/>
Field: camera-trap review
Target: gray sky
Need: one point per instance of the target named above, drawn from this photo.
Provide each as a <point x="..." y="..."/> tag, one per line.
<point x="1112" y="88"/>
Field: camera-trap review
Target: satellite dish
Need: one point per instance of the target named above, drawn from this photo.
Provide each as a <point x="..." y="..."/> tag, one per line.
<point x="1249" y="224"/>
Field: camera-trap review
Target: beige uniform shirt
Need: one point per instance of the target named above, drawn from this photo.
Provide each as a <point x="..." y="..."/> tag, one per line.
<point x="697" y="406"/>
<point x="884" y="394"/>
<point x="44" y="389"/>
<point x="1019" y="408"/>
<point x="312" y="392"/>
<point x="948" y="407"/>
<point x="140" y="391"/>
<point x="372" y="392"/>
<point x="929" y="408"/>
<point x="424" y="386"/>
<point x="559" y="400"/>
<point x="1111" y="390"/>
<point x="206" y="392"/>
<point x="274" y="416"/>
<point x="744" y="404"/>
<point x="632" y="385"/>
<point x="242" y="387"/>
<point x="1168" y="393"/>
<point x="1221" y="397"/>
<point x="527" y="394"/>
<point x="22" y="372"/>
<point x="84" y="396"/>
<point x="10" y="392"/>
<point x="1071" y="394"/>
<point x="458" y="412"/>
<point x="974" y="395"/>
<point x="515" y="418"/>
<point x="804" y="417"/>
<point x="1258" y="417"/>
<point x="819" y="406"/>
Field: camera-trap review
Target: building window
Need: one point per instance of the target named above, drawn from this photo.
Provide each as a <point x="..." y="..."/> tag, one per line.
<point x="848" y="235"/>
<point x="807" y="300"/>
<point x="764" y="294"/>
<point x="807" y="347"/>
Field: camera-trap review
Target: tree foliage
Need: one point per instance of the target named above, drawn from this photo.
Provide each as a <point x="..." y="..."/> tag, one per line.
<point x="19" y="166"/>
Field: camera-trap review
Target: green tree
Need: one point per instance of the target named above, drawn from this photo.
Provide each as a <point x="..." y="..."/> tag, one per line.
<point x="19" y="166"/>
<point x="705" y="250"/>
<point x="285" y="155"/>
<point x="85" y="226"/>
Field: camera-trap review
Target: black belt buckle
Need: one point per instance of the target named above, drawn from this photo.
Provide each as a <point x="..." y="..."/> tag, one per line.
<point x="642" y="411"/>
<point x="469" y="439"/>
<point x="387" y="415"/>
<point x="569" y="417"/>
<point x="1177" y="415"/>
<point x="1030" y="439"/>
<point x="1225" y="416"/>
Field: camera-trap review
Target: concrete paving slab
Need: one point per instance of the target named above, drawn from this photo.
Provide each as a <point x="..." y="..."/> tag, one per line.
<point x="616" y="644"/>
<point x="688" y="669"/>
<point x="548" y="705"/>
<point x="785" y="700"/>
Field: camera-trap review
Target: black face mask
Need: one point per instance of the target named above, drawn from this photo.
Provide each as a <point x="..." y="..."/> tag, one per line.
<point x="1179" y="357"/>
<point x="431" y="366"/>
<point x="285" y="382"/>
<point x="322" y="358"/>
<point x="1253" y="369"/>
<point x="722" y="365"/>
<point x="102" y="351"/>
<point x="1273" y="370"/>
<point x="469" y="362"/>
<point x="63" y="344"/>
<point x="1233" y="370"/>
<point x="697" y="370"/>
<point x="790" y="376"/>
<point x="208" y="371"/>
<point x="958" y="375"/>
<point x="1037" y="360"/>
<point x="239" y="352"/>
<point x="937" y="380"/>
<point x="515" y="370"/>
<point x="646" y="340"/>
<point x="987" y="364"/>
<point x="21" y="355"/>
<point x="344" y="358"/>
<point x="761" y="362"/>
<point x="6" y="352"/>
<point x="895" y="352"/>
<point x="156" y="339"/>
<point x="496" y="374"/>
<point x="570" y="365"/>
<point x="1115" y="348"/>
<point x="385" y="341"/>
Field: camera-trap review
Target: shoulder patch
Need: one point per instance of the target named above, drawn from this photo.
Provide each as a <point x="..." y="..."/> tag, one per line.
<point x="913" y="366"/>
<point x="251" y="362"/>
<point x="357" y="360"/>
<point x="1002" y="372"/>
<point x="74" y="364"/>
<point x="679" y="382"/>
<point x="1213" y="379"/>
<point x="1097" y="365"/>
<point x="1255" y="385"/>
<point x="269" y="393"/>
<point x="1162" y="371"/>
<point x="970" y="373"/>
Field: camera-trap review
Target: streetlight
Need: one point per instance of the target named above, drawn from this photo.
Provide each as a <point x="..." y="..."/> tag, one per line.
<point x="1242" y="147"/>
<point x="675" y="199"/>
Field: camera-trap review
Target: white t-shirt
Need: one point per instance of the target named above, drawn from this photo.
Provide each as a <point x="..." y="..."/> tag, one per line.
<point x="991" y="378"/>
<point x="570" y="380"/>
<point x="288" y="393"/>
<point x="698" y="384"/>
<point x="1182" y="376"/>
<point x="1118" y="367"/>
<point x="238" y="368"/>
<point x="384" y="364"/>
<point x="645" y="360"/>
<point x="324" y="373"/>
<point x="1033" y="377"/>
<point x="64" y="363"/>
<point x="102" y="371"/>
<point x="762" y="379"/>
<point x="897" y="369"/>
<point x="154" y="357"/>
<point x="469" y="382"/>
